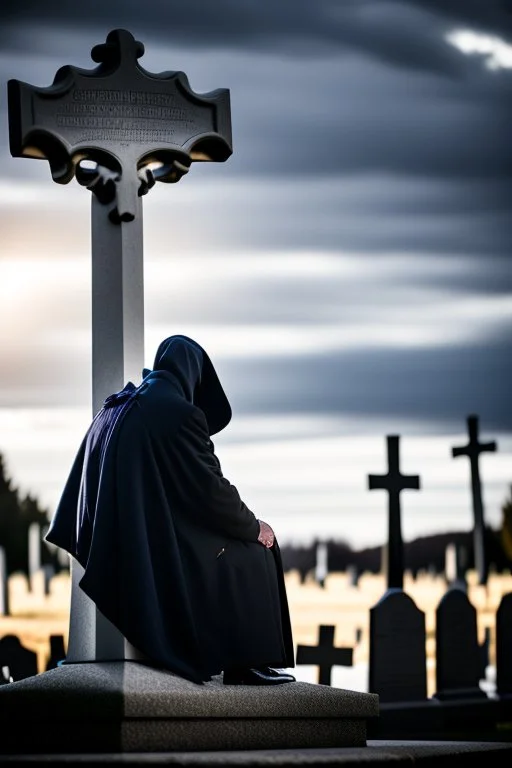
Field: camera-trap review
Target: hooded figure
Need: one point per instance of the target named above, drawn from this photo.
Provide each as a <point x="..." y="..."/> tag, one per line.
<point x="171" y="554"/>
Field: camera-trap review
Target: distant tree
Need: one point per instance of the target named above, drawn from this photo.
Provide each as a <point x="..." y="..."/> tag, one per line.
<point x="16" y="516"/>
<point x="300" y="558"/>
<point x="10" y="529"/>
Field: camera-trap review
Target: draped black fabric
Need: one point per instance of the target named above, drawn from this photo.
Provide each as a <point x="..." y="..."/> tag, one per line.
<point x="169" y="549"/>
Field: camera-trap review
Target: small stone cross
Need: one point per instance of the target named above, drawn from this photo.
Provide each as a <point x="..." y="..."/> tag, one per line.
<point x="324" y="655"/>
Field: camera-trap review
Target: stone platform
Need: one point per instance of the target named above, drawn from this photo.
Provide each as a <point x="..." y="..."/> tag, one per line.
<point x="129" y="707"/>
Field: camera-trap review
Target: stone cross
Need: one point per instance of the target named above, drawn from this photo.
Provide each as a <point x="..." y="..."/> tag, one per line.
<point x="473" y="450"/>
<point x="324" y="655"/>
<point x="394" y="482"/>
<point x="117" y="129"/>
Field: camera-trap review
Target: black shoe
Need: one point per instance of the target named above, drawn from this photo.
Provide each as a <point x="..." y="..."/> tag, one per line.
<point x="257" y="676"/>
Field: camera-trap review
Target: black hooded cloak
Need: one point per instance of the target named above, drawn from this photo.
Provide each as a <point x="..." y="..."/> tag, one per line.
<point x="169" y="549"/>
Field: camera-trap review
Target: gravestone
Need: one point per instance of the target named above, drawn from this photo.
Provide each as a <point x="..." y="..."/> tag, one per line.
<point x="353" y="575"/>
<point x="397" y="654"/>
<point x="321" y="567"/>
<point x="394" y="482"/>
<point x="57" y="651"/>
<point x="473" y="450"/>
<point x="484" y="650"/>
<point x="48" y="574"/>
<point x="34" y="553"/>
<point x="454" y="567"/>
<point x="504" y="646"/>
<point x="324" y="655"/>
<point x="21" y="661"/>
<point x="458" y="655"/>
<point x="5" y="675"/>
<point x="4" y="584"/>
<point x="134" y="128"/>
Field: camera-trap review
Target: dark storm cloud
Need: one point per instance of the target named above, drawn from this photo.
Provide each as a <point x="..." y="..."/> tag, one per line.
<point x="441" y="384"/>
<point x="312" y="96"/>
<point x="404" y="33"/>
<point x="437" y="384"/>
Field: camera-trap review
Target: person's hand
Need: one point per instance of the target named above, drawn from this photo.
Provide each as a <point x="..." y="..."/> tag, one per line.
<point x="266" y="536"/>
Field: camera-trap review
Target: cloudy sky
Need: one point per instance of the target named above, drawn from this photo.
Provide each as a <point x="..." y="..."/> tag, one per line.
<point x="348" y="268"/>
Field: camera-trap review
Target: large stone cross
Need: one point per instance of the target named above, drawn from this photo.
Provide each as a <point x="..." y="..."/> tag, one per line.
<point x="394" y="482"/>
<point x="117" y="129"/>
<point x="473" y="450"/>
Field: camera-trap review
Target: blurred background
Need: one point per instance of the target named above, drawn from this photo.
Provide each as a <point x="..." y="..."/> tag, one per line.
<point x="347" y="268"/>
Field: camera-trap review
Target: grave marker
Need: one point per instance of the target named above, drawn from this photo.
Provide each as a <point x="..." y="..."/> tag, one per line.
<point x="34" y="553"/>
<point x="321" y="568"/>
<point x="458" y="654"/>
<point x="504" y="646"/>
<point x="353" y="575"/>
<point x="394" y="482"/>
<point x="473" y="449"/>
<point x="398" y="661"/>
<point x="117" y="129"/>
<point x="454" y="570"/>
<point x="324" y="655"/>
<point x="4" y="584"/>
<point x="5" y="676"/>
<point x="21" y="661"/>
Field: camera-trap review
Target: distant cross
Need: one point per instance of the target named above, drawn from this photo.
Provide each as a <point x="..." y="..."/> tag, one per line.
<point x="117" y="129"/>
<point x="473" y="449"/>
<point x="394" y="482"/>
<point x="321" y="567"/>
<point x="324" y="655"/>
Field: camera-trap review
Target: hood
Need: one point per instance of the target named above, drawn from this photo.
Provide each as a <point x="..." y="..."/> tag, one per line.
<point x="190" y="365"/>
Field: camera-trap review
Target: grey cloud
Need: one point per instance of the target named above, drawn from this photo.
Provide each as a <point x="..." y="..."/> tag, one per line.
<point x="404" y="33"/>
<point x="440" y="384"/>
<point x="351" y="116"/>
<point x="368" y="214"/>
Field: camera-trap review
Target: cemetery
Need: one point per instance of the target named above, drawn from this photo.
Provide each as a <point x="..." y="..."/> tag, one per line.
<point x="434" y="651"/>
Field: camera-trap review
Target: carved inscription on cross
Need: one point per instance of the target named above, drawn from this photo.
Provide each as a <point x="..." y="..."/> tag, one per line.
<point x="324" y="655"/>
<point x="121" y="117"/>
<point x="394" y="482"/>
<point x="473" y="450"/>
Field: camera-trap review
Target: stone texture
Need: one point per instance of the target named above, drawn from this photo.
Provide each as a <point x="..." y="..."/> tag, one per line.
<point x="132" y="707"/>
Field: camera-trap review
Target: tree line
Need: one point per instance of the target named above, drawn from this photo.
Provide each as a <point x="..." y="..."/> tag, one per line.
<point x="427" y="553"/>
<point x="17" y="513"/>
